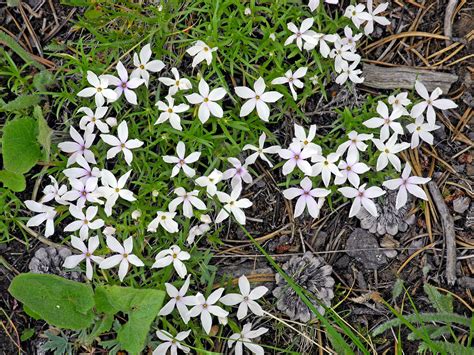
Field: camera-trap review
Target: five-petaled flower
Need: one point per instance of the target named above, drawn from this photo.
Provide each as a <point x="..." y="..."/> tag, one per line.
<point x="257" y="98"/>
<point x="422" y="130"/>
<point x="181" y="161"/>
<point x="143" y="64"/>
<point x="210" y="182"/>
<point x="121" y="143"/>
<point x="405" y="184"/>
<point x="171" y="342"/>
<point x="296" y="156"/>
<point x="238" y="173"/>
<point x="201" y="51"/>
<point x="80" y="146"/>
<point x="302" y="34"/>
<point x="232" y="204"/>
<point x="246" y="298"/>
<point x="175" y="84"/>
<point x="123" y="258"/>
<point x="92" y="119"/>
<point x="188" y="200"/>
<point x="325" y="166"/>
<point x="388" y="151"/>
<point x="207" y="307"/>
<point x="45" y="214"/>
<point x="362" y="197"/>
<point x="125" y="85"/>
<point x="178" y="300"/>
<point x="164" y="219"/>
<point x="112" y="189"/>
<point x="174" y="255"/>
<point x="244" y="338"/>
<point x="429" y="103"/>
<point x="292" y="79"/>
<point x="170" y="112"/>
<point x="206" y="100"/>
<point x="99" y="89"/>
<point x="260" y="151"/>
<point x="306" y="198"/>
<point x="386" y="121"/>
<point x="86" y="254"/>
<point x="84" y="220"/>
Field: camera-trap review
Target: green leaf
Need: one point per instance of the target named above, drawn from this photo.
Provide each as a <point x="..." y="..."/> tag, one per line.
<point x="43" y="79"/>
<point x="20" y="148"/>
<point x="140" y="305"/>
<point x="442" y="303"/>
<point x="44" y="132"/>
<point x="60" y="302"/>
<point x="21" y="102"/>
<point x="397" y="289"/>
<point x="13" y="44"/>
<point x="15" y="182"/>
<point x="27" y="334"/>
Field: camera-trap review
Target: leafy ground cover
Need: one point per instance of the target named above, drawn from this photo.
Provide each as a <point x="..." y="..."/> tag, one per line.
<point x="200" y="161"/>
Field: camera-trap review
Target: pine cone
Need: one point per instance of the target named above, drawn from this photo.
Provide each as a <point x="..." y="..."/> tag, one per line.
<point x="50" y="261"/>
<point x="390" y="220"/>
<point x="313" y="275"/>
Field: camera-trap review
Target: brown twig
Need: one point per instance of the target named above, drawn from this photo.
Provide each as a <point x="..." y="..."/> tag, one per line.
<point x="447" y="222"/>
<point x="448" y="15"/>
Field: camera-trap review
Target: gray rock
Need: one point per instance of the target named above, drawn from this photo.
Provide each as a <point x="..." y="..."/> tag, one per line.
<point x="461" y="204"/>
<point x="364" y="247"/>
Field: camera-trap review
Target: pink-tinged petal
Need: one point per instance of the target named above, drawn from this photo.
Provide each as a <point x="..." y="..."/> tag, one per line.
<point x="355" y="208"/>
<point x="370" y="207"/>
<point x="242" y="310"/>
<point x="393" y="184"/>
<point x="263" y="110"/>
<point x="418" y="109"/>
<point x="111" y="262"/>
<point x="206" y="321"/>
<point x="244" y="92"/>
<point x="259" y="86"/>
<point x="373" y="192"/>
<point x="417" y="191"/>
<point x="134" y="260"/>
<point x="247" y="107"/>
<point x="292" y="192"/>
<point x="231" y="299"/>
<point x="421" y="90"/>
<point x="73" y="260"/>
<point x="401" y="197"/>
<point x="87" y="92"/>
<point x="123" y="269"/>
<point x="374" y="122"/>
<point x="349" y="192"/>
<point x="217" y="94"/>
<point x="444" y="104"/>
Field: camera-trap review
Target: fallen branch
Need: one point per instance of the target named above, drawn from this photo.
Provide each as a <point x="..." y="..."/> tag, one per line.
<point x="447" y="222"/>
<point x="404" y="78"/>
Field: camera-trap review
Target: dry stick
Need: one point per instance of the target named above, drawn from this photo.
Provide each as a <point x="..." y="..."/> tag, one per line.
<point x="447" y="222"/>
<point x="448" y="15"/>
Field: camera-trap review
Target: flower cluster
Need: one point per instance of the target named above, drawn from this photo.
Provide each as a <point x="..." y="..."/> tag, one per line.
<point x="94" y="184"/>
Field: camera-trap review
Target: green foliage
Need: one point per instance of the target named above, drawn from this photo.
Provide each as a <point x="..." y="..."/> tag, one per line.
<point x="19" y="141"/>
<point x="13" y="181"/>
<point x="428" y="326"/>
<point x="60" y="302"/>
<point x="22" y="102"/>
<point x="59" y="345"/>
<point x="140" y="305"/>
<point x="44" y="132"/>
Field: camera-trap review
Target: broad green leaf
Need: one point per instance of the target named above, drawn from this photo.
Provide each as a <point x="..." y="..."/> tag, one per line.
<point x="15" y="182"/>
<point x="60" y="302"/>
<point x="140" y="305"/>
<point x="21" y="102"/>
<point x="44" y="132"/>
<point x="21" y="150"/>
